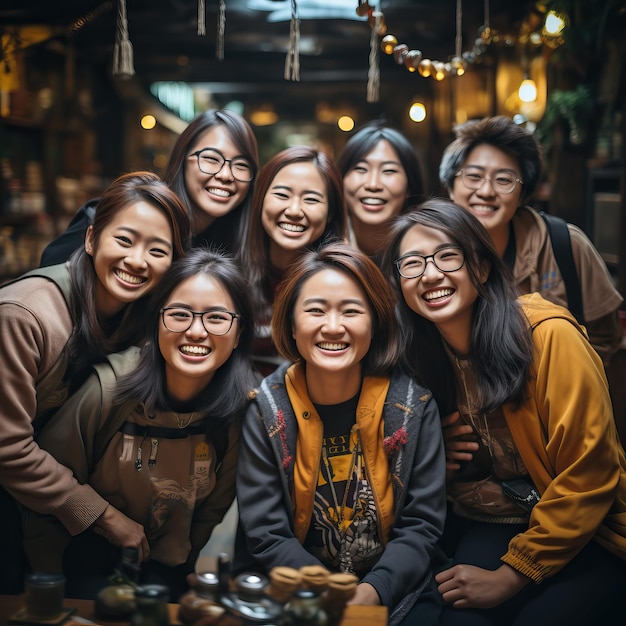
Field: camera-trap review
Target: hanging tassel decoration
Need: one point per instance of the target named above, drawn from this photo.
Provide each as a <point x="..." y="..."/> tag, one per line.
<point x="221" y="27"/>
<point x="373" y="74"/>
<point x="123" y="51"/>
<point x="292" y="62"/>
<point x="201" y="17"/>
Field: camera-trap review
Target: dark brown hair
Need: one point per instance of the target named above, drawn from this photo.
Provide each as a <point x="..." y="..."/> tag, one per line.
<point x="385" y="349"/>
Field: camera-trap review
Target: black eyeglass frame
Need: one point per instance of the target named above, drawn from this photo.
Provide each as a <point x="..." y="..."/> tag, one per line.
<point x="197" y="154"/>
<point x="200" y="314"/>
<point x="426" y="257"/>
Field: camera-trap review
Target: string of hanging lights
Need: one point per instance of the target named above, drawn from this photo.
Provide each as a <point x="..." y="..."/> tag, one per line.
<point x="414" y="60"/>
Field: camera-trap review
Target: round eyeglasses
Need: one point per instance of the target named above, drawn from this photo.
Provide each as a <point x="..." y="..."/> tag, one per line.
<point x="211" y="161"/>
<point x="502" y="182"/>
<point x="215" y="321"/>
<point x="413" y="265"/>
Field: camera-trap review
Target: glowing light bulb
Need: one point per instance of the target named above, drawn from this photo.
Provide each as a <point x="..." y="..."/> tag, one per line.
<point x="527" y="91"/>
<point x="417" y="112"/>
<point x="554" y="24"/>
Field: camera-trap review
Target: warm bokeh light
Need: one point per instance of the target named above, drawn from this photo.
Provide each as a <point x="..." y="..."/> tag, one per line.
<point x="345" y="123"/>
<point x="148" y="122"/>
<point x="527" y="91"/>
<point x="554" y="24"/>
<point x="417" y="112"/>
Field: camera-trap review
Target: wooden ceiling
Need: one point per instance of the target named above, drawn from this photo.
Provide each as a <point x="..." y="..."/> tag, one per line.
<point x="334" y="45"/>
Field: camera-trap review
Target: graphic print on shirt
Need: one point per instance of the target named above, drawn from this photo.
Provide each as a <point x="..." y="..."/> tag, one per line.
<point x="344" y="530"/>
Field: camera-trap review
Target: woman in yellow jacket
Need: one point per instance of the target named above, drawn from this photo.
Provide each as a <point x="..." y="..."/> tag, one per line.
<point x="536" y="473"/>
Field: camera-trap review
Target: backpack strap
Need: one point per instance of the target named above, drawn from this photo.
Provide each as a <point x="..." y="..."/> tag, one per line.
<point x="562" y="246"/>
<point x="116" y="365"/>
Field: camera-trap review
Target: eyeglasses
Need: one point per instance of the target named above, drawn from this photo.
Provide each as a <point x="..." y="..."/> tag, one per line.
<point x="211" y="161"/>
<point x="215" y="322"/>
<point x="413" y="265"/>
<point x="501" y="183"/>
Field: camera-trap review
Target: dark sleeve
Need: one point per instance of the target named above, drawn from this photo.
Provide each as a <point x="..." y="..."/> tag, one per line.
<point x="408" y="555"/>
<point x="60" y="249"/>
<point x="264" y="506"/>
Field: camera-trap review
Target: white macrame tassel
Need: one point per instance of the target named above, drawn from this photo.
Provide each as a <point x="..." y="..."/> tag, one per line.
<point x="201" y="17"/>
<point x="373" y="74"/>
<point x="292" y="62"/>
<point x="123" y="51"/>
<point x="221" y="27"/>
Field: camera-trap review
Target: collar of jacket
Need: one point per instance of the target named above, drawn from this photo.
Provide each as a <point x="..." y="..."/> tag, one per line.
<point x="369" y="420"/>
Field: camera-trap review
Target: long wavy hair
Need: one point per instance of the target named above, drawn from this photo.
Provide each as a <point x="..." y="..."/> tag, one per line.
<point x="225" y="398"/>
<point x="226" y="231"/>
<point x="90" y="340"/>
<point x="501" y="349"/>
<point x="384" y="352"/>
<point x="254" y="255"/>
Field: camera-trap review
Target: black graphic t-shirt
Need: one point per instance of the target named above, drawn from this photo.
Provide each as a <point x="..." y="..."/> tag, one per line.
<point x="344" y="531"/>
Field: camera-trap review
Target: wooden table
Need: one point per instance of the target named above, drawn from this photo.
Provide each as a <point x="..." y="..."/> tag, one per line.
<point x="354" y="615"/>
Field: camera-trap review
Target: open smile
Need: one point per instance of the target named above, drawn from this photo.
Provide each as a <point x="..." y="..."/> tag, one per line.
<point x="437" y="294"/>
<point x="189" y="350"/>
<point x="129" y="278"/>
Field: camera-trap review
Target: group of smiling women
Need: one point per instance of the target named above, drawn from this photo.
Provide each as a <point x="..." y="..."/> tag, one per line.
<point x="354" y="363"/>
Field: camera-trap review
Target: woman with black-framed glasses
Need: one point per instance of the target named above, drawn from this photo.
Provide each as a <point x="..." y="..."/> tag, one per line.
<point x="156" y="432"/>
<point x="492" y="170"/>
<point x="211" y="168"/>
<point x="536" y="475"/>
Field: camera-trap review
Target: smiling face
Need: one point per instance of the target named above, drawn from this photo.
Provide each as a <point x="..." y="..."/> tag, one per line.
<point x="295" y="211"/>
<point x="213" y="195"/>
<point x="130" y="256"/>
<point x="445" y="298"/>
<point x="494" y="210"/>
<point x="376" y="187"/>
<point x="332" y="327"/>
<point x="193" y="356"/>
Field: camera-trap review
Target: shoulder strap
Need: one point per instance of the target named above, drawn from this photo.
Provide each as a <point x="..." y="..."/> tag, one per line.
<point x="115" y="366"/>
<point x="58" y="274"/>
<point x="562" y="246"/>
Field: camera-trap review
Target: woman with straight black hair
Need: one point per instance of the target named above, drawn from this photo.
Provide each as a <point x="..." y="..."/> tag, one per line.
<point x="155" y="434"/>
<point x="536" y="473"/>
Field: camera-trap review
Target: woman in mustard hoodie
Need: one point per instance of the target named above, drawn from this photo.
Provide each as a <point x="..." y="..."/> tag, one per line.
<point x="342" y="461"/>
<point x="536" y="474"/>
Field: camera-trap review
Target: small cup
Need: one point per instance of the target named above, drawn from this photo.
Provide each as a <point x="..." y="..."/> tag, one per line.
<point x="44" y="594"/>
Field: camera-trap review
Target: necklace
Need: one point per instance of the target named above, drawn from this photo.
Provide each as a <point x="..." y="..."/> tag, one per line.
<point x="340" y="509"/>
<point x="182" y="423"/>
<point x="479" y="428"/>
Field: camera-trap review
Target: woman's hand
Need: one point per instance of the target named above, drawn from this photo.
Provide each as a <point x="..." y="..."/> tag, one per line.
<point x="365" y="594"/>
<point x="122" y="531"/>
<point x="459" y="448"/>
<point x="471" y="587"/>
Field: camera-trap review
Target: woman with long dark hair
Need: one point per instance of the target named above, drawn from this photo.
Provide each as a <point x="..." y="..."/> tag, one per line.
<point x="155" y="433"/>
<point x="536" y="473"/>
<point x="55" y="322"/>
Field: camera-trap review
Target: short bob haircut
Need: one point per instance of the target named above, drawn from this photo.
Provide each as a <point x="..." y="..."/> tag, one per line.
<point x="367" y="138"/>
<point x="499" y="132"/>
<point x="385" y="349"/>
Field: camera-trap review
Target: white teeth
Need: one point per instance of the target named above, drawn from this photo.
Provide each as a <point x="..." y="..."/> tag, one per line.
<point x="373" y="201"/>
<point x="483" y="209"/>
<point x="195" y="350"/>
<point x="440" y="293"/>
<point x="220" y="192"/>
<point x="128" y="278"/>
<point x="332" y="346"/>
<point x="294" y="228"/>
